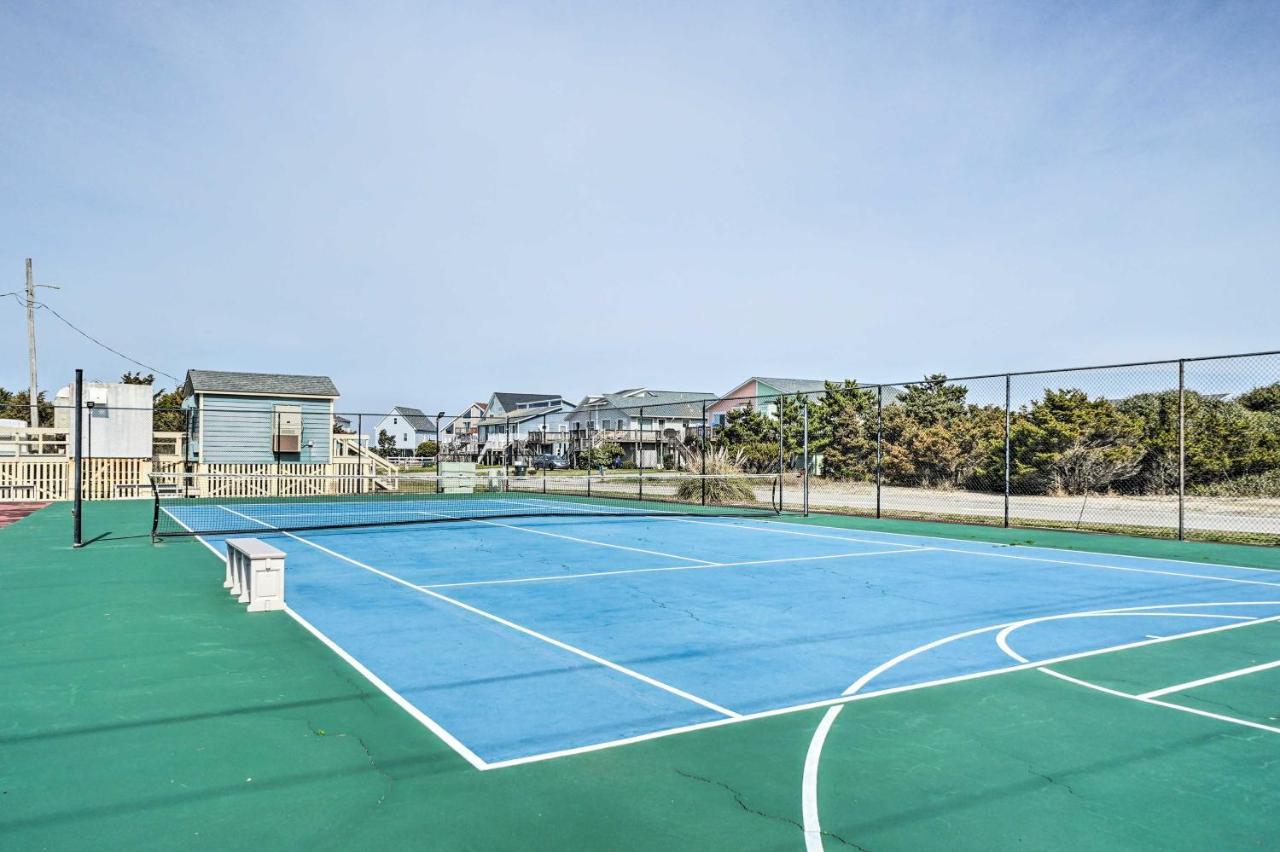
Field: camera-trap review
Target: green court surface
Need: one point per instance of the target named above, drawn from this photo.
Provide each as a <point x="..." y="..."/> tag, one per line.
<point x="141" y="708"/>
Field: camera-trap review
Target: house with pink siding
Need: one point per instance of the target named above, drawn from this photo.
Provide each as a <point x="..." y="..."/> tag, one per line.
<point x="760" y="394"/>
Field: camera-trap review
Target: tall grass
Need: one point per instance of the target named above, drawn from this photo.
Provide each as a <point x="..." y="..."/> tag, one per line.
<point x="721" y="486"/>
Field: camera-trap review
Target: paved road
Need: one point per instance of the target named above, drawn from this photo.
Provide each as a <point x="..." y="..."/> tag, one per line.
<point x="1219" y="514"/>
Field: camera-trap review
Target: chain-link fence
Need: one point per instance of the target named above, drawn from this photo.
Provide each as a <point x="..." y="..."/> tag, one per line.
<point x="1175" y="449"/>
<point x="1185" y="448"/>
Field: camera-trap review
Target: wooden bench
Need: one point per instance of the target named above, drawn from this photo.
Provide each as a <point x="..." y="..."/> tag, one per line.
<point x="255" y="574"/>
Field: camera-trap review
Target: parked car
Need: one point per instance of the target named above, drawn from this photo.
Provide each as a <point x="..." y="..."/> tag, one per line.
<point x="550" y="461"/>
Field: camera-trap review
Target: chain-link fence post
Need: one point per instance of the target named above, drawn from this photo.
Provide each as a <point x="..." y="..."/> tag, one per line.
<point x="439" y="449"/>
<point x="640" y="451"/>
<point x="361" y="461"/>
<point x="1182" y="448"/>
<point x="782" y="452"/>
<point x="546" y="463"/>
<point x="275" y="446"/>
<point x="78" y="512"/>
<point x="702" y="452"/>
<point x="1008" y="441"/>
<point x="805" y="473"/>
<point x="879" y="442"/>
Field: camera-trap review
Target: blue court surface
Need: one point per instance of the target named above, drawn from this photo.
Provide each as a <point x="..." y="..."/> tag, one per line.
<point x="523" y="639"/>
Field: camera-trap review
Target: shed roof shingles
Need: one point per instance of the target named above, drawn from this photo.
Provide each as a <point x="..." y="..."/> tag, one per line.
<point x="271" y="384"/>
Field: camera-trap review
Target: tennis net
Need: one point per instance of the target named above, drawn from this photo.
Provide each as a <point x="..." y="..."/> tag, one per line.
<point x="229" y="503"/>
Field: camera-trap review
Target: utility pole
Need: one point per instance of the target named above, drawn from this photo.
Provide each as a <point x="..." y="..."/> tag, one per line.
<point x="30" y="299"/>
<point x="31" y="346"/>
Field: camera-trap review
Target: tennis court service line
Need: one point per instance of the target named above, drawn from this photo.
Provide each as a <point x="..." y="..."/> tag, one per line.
<point x="998" y="555"/>
<point x="1205" y="681"/>
<point x="520" y="628"/>
<point x="574" y="538"/>
<point x="744" y="564"/>
<point x="678" y="516"/>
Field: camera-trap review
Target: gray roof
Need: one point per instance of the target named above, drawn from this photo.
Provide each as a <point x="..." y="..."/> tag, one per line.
<point x="271" y="384"/>
<point x="511" y="401"/>
<point x="520" y="415"/>
<point x="656" y="403"/>
<point x="415" y="417"/>
<point x="790" y="386"/>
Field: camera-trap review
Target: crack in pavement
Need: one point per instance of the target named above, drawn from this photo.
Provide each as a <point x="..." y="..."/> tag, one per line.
<point x="388" y="779"/>
<point x="1064" y="785"/>
<point x="738" y="798"/>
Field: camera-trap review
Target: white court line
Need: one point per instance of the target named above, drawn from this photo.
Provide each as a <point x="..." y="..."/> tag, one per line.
<point x="558" y="577"/>
<point x="842" y="700"/>
<point x="809" y="780"/>
<point x="703" y="562"/>
<point x="776" y="522"/>
<point x="378" y="683"/>
<point x="1192" y="684"/>
<point x="564" y="646"/>
<point x="999" y="555"/>
<point x="1166" y="704"/>
<point x="1002" y="638"/>
<point x="834" y="704"/>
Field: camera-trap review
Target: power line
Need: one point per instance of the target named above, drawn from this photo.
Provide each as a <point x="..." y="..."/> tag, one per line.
<point x="93" y="339"/>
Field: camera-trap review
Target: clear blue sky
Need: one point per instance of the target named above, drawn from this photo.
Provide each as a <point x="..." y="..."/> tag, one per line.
<point x="429" y="203"/>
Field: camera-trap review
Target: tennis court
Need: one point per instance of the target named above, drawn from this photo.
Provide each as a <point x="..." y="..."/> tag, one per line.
<point x="668" y="676"/>
<point x="545" y="625"/>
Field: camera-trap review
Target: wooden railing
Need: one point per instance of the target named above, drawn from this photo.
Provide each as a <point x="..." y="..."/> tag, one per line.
<point x="24" y="441"/>
<point x="35" y="465"/>
<point x="582" y="437"/>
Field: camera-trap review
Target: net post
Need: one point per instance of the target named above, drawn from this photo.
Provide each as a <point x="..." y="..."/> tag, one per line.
<point x="77" y="512"/>
<point x="1182" y="449"/>
<point x="155" y="510"/>
<point x="879" y="443"/>
<point x="805" y="472"/>
<point x="702" y="452"/>
<point x="1008" y="456"/>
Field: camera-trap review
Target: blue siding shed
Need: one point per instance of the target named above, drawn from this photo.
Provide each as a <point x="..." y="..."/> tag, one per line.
<point x="234" y="417"/>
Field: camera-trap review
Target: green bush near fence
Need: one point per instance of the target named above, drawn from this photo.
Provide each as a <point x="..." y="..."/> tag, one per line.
<point x="1065" y="442"/>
